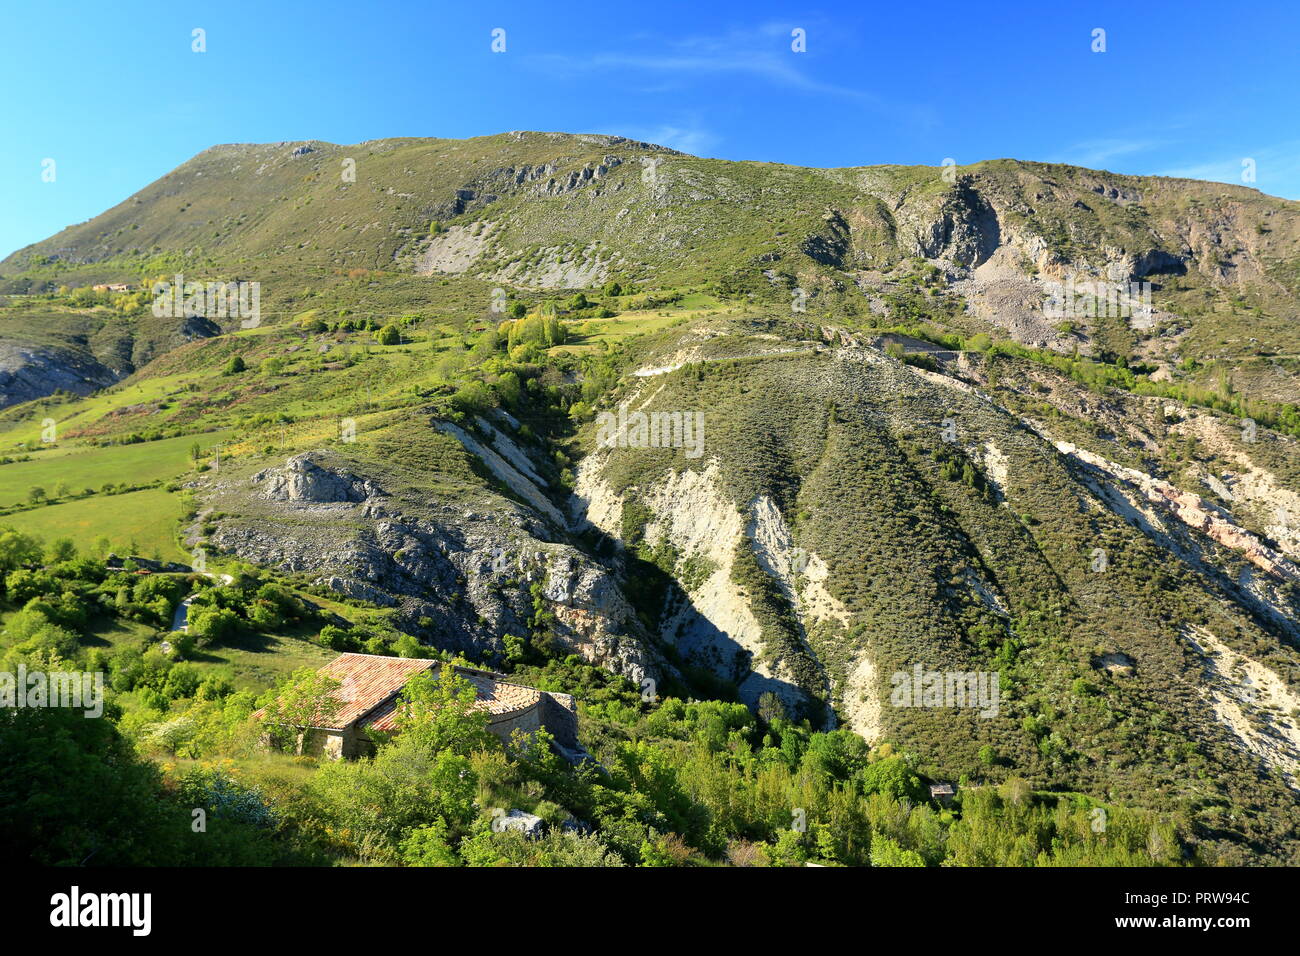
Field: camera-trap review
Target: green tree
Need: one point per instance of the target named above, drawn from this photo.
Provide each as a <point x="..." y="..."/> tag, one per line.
<point x="428" y="846"/>
<point x="61" y="550"/>
<point x="486" y="344"/>
<point x="892" y="777"/>
<point x="474" y="398"/>
<point x="390" y="334"/>
<point x="305" y="699"/>
<point x="408" y="645"/>
<point x="440" y="714"/>
<point x="887" y="852"/>
<point x="770" y="707"/>
<point x="212" y="625"/>
<point x="509" y="388"/>
<point x="553" y="331"/>
<point x="17" y="549"/>
<point x="235" y="365"/>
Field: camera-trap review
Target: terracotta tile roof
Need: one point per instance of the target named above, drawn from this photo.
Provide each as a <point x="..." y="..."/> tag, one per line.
<point x="366" y="681"/>
<point x="496" y="697"/>
<point x="369" y="685"/>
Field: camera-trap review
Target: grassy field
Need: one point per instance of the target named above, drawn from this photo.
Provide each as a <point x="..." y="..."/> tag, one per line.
<point x="257" y="661"/>
<point x="148" y="518"/>
<point x="251" y="661"/>
<point x="585" y="336"/>
<point x="84" y="466"/>
<point x="75" y="413"/>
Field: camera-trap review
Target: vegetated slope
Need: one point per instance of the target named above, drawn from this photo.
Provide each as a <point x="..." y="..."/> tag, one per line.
<point x="848" y="541"/>
<point x="1090" y="518"/>
<point x="546" y="210"/>
<point x="450" y="527"/>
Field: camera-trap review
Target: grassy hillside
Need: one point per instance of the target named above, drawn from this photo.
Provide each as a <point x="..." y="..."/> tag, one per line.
<point x="904" y="462"/>
<point x="537" y="211"/>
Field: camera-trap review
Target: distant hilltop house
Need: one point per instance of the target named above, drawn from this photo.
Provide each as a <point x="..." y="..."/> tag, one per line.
<point x="112" y="287"/>
<point x="369" y="685"/>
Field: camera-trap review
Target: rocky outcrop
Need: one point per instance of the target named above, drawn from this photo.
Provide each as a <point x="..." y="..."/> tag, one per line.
<point x="709" y="619"/>
<point x="1251" y="702"/>
<point x="576" y="178"/>
<point x="457" y="577"/>
<point x="31" y="372"/>
<point x="966" y="229"/>
<point x="1193" y="511"/>
<point x="455" y="250"/>
<point x="302" y="479"/>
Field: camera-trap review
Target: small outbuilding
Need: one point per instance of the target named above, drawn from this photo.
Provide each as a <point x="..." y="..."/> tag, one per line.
<point x="942" y="793"/>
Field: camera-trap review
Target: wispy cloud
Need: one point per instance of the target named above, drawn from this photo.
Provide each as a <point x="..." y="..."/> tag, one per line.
<point x="1272" y="169"/>
<point x="1275" y="169"/>
<point x="1219" y="171"/>
<point x="1097" y="153"/>
<point x="690" y="138"/>
<point x="762" y="53"/>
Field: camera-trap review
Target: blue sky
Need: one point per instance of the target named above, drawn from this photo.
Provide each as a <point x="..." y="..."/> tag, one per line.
<point x="114" y="94"/>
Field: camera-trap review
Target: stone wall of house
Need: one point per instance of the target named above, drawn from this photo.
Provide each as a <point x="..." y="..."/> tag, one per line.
<point x="331" y="744"/>
<point x="559" y="715"/>
<point x="528" y="720"/>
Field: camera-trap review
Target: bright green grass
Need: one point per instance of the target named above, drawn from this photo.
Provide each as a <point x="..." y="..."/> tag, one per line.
<point x="83" y="467"/>
<point x="251" y="661"/>
<point x="584" y="336"/>
<point x="81" y="412"/>
<point x="257" y="661"/>
<point x="149" y="518"/>
<point x="698" y="300"/>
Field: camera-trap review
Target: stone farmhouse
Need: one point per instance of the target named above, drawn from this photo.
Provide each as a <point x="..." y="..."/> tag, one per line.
<point x="369" y="685"/>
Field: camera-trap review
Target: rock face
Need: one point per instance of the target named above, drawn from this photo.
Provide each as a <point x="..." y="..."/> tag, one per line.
<point x="1193" y="511"/>
<point x="709" y="621"/>
<point x="966" y="229"/>
<point x="84" y="363"/>
<point x="829" y="467"/>
<point x="301" y="479"/>
<point x="459" y="578"/>
<point x="28" y="372"/>
<point x="530" y="825"/>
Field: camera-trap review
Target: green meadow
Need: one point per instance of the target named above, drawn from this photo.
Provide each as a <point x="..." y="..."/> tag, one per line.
<point x="79" y="467"/>
<point x="148" y="518"/>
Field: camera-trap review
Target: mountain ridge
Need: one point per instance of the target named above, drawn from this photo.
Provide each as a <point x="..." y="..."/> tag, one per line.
<point x="905" y="457"/>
